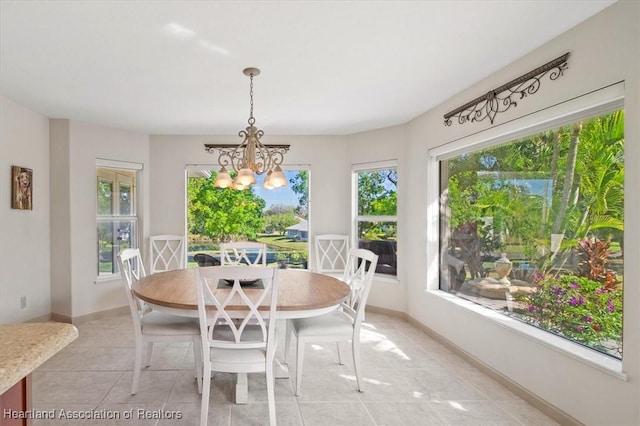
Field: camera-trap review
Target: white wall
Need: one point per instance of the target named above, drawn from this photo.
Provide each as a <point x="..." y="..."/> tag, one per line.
<point x="24" y="242"/>
<point x="61" y="261"/>
<point x="77" y="248"/>
<point x="604" y="50"/>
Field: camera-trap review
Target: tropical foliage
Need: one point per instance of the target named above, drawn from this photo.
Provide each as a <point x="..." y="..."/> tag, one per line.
<point x="585" y="306"/>
<point x="567" y="182"/>
<point x="578" y="308"/>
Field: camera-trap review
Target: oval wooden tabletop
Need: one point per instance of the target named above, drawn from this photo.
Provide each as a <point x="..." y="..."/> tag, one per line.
<point x="299" y="290"/>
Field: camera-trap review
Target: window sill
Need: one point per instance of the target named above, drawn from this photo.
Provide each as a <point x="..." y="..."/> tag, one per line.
<point x="107" y="279"/>
<point x="587" y="356"/>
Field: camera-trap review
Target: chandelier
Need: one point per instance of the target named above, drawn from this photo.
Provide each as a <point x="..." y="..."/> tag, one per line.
<point x="251" y="157"/>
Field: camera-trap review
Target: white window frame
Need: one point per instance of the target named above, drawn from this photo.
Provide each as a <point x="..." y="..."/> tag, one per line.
<point x="357" y="168"/>
<point x="592" y="104"/>
<point x="110" y="169"/>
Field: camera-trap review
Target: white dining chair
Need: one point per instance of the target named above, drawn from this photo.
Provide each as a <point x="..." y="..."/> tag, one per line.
<point x="332" y="251"/>
<point x="340" y="325"/>
<point x="155" y="327"/>
<point x="243" y="252"/>
<point x="238" y="341"/>
<point x="167" y="252"/>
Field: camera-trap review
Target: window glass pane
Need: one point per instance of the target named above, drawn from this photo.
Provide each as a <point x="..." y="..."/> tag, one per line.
<point x="277" y="217"/>
<point x="115" y="199"/>
<point x="533" y="228"/>
<point x="380" y="238"/>
<point x="125" y="203"/>
<point x="378" y="193"/>
<point x="105" y="248"/>
<point x="377" y="200"/>
<point x="113" y="237"/>
<point x="105" y="196"/>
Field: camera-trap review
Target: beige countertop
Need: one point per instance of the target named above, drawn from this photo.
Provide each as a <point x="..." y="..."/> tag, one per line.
<point x="24" y="347"/>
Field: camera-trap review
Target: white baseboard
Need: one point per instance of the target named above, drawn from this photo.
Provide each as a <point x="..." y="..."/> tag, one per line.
<point x="109" y="313"/>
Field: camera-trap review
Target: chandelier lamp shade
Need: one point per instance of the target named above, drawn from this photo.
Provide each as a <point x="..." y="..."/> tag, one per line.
<point x="251" y="157"/>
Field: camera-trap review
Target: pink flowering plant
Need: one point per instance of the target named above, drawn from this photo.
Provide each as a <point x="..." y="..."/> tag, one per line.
<point x="577" y="308"/>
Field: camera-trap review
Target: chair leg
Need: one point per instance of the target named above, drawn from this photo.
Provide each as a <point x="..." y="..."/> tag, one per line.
<point x="204" y="402"/>
<point x="299" y="362"/>
<point x="338" y="350"/>
<point x="287" y="340"/>
<point x="271" y="394"/>
<point x="197" y="354"/>
<point x="356" y="362"/>
<point x="149" y="353"/>
<point x="242" y="388"/>
<point x="137" y="366"/>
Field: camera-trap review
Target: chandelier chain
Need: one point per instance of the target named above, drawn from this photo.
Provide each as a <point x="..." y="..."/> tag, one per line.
<point x="251" y="119"/>
<point x="251" y="157"/>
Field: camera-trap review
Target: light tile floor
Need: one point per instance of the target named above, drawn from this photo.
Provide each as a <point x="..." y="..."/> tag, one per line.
<point x="410" y="379"/>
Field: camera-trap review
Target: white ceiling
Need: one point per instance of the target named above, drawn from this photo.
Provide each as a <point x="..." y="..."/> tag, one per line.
<point x="328" y="67"/>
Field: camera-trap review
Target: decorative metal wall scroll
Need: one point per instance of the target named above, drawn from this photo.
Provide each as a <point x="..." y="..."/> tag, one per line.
<point x="502" y="98"/>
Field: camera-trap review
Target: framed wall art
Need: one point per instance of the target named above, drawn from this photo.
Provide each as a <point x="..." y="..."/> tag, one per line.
<point x="21" y="188"/>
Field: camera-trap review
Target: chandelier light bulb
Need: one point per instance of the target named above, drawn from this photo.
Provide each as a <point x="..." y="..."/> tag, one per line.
<point x="245" y="177"/>
<point x="277" y="178"/>
<point x="267" y="181"/>
<point x="223" y="179"/>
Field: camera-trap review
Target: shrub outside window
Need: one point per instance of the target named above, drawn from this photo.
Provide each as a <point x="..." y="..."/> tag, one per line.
<point x="376" y="222"/>
<point x="533" y="228"/>
<point x="116" y="216"/>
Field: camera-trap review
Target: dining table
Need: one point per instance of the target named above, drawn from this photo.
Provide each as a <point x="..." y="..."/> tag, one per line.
<point x="301" y="294"/>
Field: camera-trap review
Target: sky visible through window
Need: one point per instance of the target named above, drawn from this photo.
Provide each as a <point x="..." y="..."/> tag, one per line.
<point x="278" y="196"/>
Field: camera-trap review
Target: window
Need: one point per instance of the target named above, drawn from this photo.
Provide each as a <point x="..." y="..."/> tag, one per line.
<point x="116" y="216"/>
<point x="375" y="224"/>
<point x="277" y="217"/>
<point x="533" y="228"/>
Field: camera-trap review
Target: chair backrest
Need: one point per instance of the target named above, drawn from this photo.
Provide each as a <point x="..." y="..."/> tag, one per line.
<point x="213" y="289"/>
<point x="361" y="268"/>
<point x="132" y="268"/>
<point x="243" y="252"/>
<point x="332" y="251"/>
<point x="167" y="252"/>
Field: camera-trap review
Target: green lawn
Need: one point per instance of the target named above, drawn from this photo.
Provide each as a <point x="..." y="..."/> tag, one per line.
<point x="282" y="242"/>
